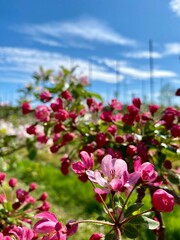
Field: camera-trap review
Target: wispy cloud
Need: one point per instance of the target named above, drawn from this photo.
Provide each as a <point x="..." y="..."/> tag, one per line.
<point x="142" y="54"/>
<point x="126" y="69"/>
<point x="175" y="6"/>
<point x="86" y="29"/>
<point x="172" y="49"/>
<point x="25" y="61"/>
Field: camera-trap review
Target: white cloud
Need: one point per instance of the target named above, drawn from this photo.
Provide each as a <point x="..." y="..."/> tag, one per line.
<point x="88" y="29"/>
<point x="125" y="69"/>
<point x="142" y="54"/>
<point x="175" y="6"/>
<point x="25" y="61"/>
<point x="48" y="42"/>
<point x="172" y="49"/>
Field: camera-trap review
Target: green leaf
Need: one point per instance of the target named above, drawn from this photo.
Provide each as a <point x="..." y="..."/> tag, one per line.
<point x="130" y="231"/>
<point x="150" y="223"/>
<point x="173" y="179"/>
<point x="95" y="95"/>
<point x="8" y="206"/>
<point x="110" y="237"/>
<point x="132" y="209"/>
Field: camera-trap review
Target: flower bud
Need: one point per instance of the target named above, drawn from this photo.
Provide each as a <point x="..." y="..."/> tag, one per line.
<point x="12" y="182"/>
<point x="96" y="236"/>
<point x="162" y="201"/>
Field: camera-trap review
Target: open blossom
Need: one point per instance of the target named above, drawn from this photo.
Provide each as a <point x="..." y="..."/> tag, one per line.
<point x="49" y="224"/>
<point x="162" y="201"/>
<point x="146" y="170"/>
<point x="86" y="162"/>
<point x="42" y="113"/>
<point x="22" y="233"/>
<point x="113" y="175"/>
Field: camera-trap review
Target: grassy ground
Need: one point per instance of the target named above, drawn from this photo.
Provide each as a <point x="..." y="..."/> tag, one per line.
<point x="70" y="198"/>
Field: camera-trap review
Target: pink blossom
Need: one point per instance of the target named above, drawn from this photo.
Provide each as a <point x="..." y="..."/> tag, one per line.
<point x="153" y="108"/>
<point x="131" y="150"/>
<point x="146" y="170"/>
<point x="45" y="96"/>
<point x="84" y="81"/>
<point x="61" y="115"/>
<point x="96" y="236"/>
<point x="12" y="182"/>
<point x="133" y="110"/>
<point x="177" y="93"/>
<point x="22" y="233"/>
<point x="101" y="139"/>
<point x="175" y="130"/>
<point x="48" y="224"/>
<point x="112" y="129"/>
<point x="115" y="174"/>
<point x="86" y="162"/>
<point x="31" y="130"/>
<point x="2" y="237"/>
<point x="106" y="116"/>
<point x="42" y="113"/>
<point x="26" y="108"/>
<point x="42" y="139"/>
<point x="2" y="177"/>
<point x="66" y="95"/>
<point x="136" y="102"/>
<point x="162" y="201"/>
<point x="115" y="104"/>
<point x="57" y="105"/>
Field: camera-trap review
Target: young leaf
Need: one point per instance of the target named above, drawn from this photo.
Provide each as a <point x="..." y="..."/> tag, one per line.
<point x="130" y="231"/>
<point x="150" y="223"/>
<point x="110" y="237"/>
<point x="132" y="209"/>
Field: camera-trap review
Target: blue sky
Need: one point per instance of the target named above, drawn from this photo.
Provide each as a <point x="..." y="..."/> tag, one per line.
<point x="101" y="35"/>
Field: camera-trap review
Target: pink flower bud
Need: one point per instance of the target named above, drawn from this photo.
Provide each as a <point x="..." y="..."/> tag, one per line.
<point x="136" y="102"/>
<point x="167" y="164"/>
<point x="96" y="236"/>
<point x="42" y="113"/>
<point x="133" y="110"/>
<point x="43" y="196"/>
<point x="12" y="182"/>
<point x="162" y="201"/>
<point x="26" y="108"/>
<point x="68" y="137"/>
<point x="119" y="139"/>
<point x="31" y="130"/>
<point x="2" y="177"/>
<point x="175" y="131"/>
<point x="131" y="150"/>
<point x="71" y="228"/>
<point x="153" y="108"/>
<point x="42" y="139"/>
<point x="66" y="95"/>
<point x="128" y="119"/>
<point x="58" y="104"/>
<point x="54" y="148"/>
<point x="32" y="186"/>
<point x="101" y="139"/>
<point x="177" y="92"/>
<point x="61" y="115"/>
<point x="45" y="96"/>
<point x="59" y="127"/>
<point x="2" y="199"/>
<point x="112" y="129"/>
